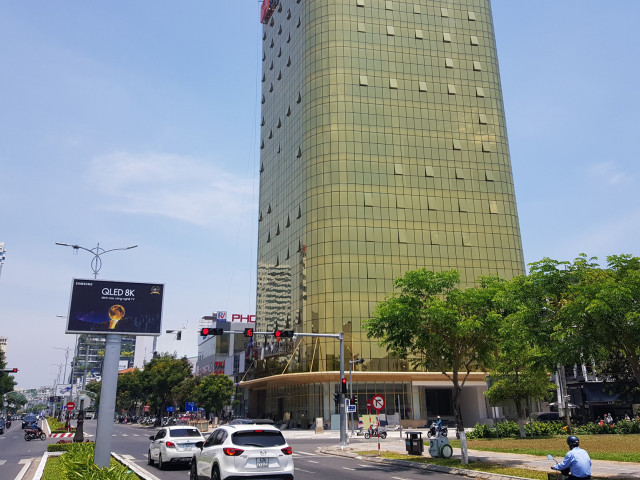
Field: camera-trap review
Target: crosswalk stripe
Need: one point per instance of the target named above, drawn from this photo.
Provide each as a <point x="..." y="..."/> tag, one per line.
<point x="2" y="462"/>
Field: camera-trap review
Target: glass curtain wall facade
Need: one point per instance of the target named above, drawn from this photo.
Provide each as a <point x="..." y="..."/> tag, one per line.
<point x="383" y="150"/>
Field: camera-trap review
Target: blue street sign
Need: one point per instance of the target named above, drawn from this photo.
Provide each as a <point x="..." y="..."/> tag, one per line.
<point x="190" y="407"/>
<point x="169" y="409"/>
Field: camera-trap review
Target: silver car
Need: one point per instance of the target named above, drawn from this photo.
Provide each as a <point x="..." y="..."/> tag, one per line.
<point x="243" y="451"/>
<point x="173" y="444"/>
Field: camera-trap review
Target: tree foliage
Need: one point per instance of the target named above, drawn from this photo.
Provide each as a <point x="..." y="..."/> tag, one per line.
<point x="214" y="392"/>
<point x="7" y="382"/>
<point x="603" y="312"/>
<point x="440" y="327"/>
<point x="160" y="376"/>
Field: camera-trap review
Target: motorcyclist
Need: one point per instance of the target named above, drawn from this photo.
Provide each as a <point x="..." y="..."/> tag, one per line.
<point x="35" y="427"/>
<point x="576" y="460"/>
<point x="438" y="426"/>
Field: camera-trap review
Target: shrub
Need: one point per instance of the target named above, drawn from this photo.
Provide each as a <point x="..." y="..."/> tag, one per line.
<point x="78" y="463"/>
<point x="512" y="429"/>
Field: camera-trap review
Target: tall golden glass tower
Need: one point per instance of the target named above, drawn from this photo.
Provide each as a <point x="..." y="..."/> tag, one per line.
<point x="383" y="149"/>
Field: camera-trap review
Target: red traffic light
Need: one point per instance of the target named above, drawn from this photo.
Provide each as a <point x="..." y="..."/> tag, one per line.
<point x="344" y="385"/>
<point x="211" y="331"/>
<point x="9" y="370"/>
<point x="248" y="332"/>
<point x="283" y="334"/>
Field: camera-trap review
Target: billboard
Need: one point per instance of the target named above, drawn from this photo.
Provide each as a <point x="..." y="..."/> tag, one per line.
<point x="123" y="308"/>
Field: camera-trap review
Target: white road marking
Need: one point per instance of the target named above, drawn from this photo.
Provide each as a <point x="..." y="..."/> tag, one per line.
<point x="2" y="462"/>
<point x="348" y="468"/>
<point x="303" y="453"/>
<point x="398" y="478"/>
<point x="27" y="464"/>
<point x="312" y="461"/>
<point x="301" y="470"/>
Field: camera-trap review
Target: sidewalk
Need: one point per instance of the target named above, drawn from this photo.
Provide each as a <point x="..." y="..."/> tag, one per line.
<point x="599" y="468"/>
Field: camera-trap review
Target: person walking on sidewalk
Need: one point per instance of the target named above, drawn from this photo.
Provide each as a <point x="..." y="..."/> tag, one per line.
<point x="577" y="461"/>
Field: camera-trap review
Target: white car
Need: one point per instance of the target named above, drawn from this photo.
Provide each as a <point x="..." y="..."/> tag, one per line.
<point x="173" y="444"/>
<point x="243" y="451"/>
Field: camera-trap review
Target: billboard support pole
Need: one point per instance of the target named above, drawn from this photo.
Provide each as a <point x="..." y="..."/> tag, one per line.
<point x="102" y="456"/>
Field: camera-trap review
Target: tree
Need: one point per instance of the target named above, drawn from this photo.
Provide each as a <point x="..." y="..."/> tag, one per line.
<point x="130" y="390"/>
<point x="95" y="388"/>
<point x="15" y="401"/>
<point x="214" y="392"/>
<point x="440" y="327"/>
<point x="603" y="311"/>
<point x="160" y="376"/>
<point x="7" y="382"/>
<point x="185" y="391"/>
<point x="519" y="372"/>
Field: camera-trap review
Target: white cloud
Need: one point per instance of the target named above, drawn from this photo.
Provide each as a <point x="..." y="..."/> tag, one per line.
<point x="608" y="173"/>
<point x="179" y="187"/>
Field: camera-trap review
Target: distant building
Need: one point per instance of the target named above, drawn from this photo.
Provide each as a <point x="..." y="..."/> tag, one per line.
<point x="3" y="253"/>
<point x="3" y="344"/>
<point x="90" y="353"/>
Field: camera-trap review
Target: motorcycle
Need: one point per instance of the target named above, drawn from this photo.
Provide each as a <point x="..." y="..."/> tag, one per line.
<point x="34" y="434"/>
<point x="433" y="431"/>
<point x="375" y="433"/>
<point x="559" y="474"/>
<point x="8" y="424"/>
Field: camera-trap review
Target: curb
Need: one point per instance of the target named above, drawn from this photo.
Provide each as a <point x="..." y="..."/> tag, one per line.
<point x="141" y="472"/>
<point x="43" y="462"/>
<point x="61" y="435"/>
<point x="424" y="466"/>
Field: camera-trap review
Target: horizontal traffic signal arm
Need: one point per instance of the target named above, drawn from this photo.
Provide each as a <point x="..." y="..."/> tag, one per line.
<point x="9" y="370"/>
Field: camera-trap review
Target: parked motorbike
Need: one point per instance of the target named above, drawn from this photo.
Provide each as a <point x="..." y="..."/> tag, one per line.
<point x="433" y="431"/>
<point x="374" y="432"/>
<point x="34" y="434"/>
<point x="559" y="474"/>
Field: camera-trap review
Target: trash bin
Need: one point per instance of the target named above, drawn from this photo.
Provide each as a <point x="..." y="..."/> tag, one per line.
<point x="414" y="443"/>
<point x="439" y="447"/>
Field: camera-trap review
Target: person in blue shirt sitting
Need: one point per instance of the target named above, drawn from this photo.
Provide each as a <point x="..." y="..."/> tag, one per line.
<point x="577" y="461"/>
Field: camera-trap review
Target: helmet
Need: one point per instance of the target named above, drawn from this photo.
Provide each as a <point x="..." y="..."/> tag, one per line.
<point x="438" y="416"/>
<point x="573" y="441"/>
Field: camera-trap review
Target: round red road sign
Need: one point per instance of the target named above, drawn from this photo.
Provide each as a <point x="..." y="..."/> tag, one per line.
<point x="71" y="406"/>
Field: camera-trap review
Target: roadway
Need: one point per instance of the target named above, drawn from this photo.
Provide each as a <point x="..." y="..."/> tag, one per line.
<point x="132" y="442"/>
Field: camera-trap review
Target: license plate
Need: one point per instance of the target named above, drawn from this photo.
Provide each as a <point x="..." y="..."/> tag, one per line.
<point x="262" y="462"/>
<point x="189" y="446"/>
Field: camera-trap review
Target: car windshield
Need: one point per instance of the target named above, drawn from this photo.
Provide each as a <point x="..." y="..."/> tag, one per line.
<point x="184" y="432"/>
<point x="258" y="438"/>
<point x="30" y="418"/>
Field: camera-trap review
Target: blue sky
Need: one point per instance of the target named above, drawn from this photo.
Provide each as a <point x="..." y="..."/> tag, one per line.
<point x="137" y="123"/>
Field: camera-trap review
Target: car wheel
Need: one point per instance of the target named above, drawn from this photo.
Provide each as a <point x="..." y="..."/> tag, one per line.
<point x="193" y="474"/>
<point x="160" y="462"/>
<point x="215" y="473"/>
<point x="149" y="459"/>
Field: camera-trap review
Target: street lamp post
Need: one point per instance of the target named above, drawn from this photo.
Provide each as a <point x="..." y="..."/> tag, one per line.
<point x="359" y="361"/>
<point x="96" y="262"/>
